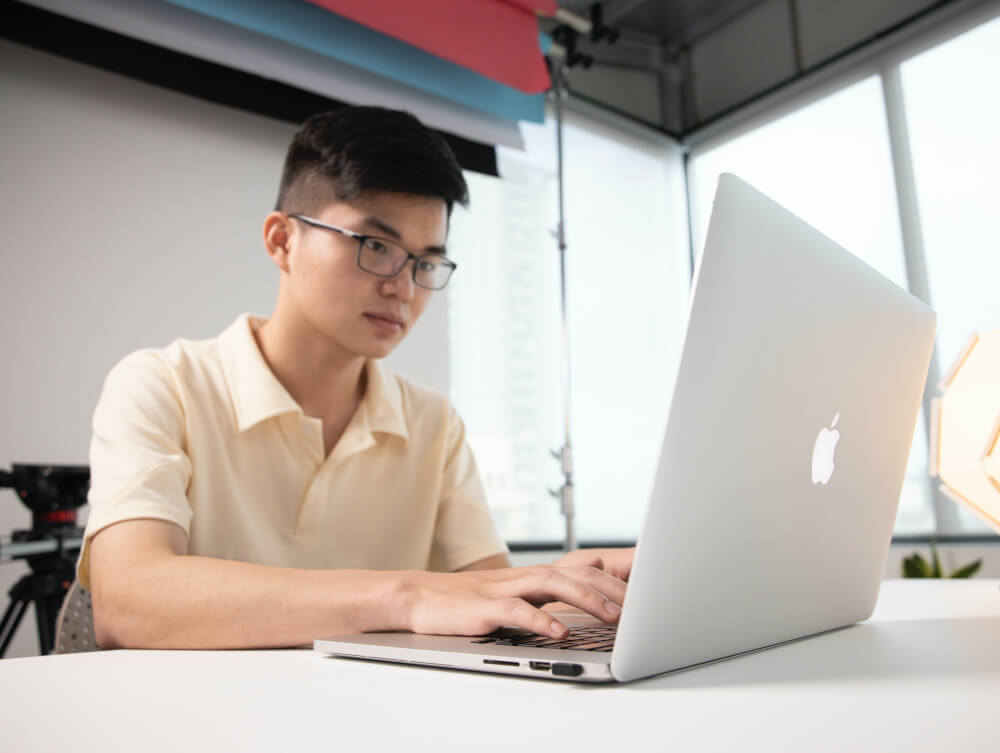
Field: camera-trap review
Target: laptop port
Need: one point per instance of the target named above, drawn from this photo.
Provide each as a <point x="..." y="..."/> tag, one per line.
<point x="567" y="670"/>
<point x="541" y="666"/>
<point x="502" y="663"/>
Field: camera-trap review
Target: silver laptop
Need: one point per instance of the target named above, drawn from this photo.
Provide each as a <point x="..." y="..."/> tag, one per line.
<point x="772" y="507"/>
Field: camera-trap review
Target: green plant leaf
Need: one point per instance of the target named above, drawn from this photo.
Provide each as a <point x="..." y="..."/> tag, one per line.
<point x="915" y="566"/>
<point x="968" y="571"/>
<point x="936" y="572"/>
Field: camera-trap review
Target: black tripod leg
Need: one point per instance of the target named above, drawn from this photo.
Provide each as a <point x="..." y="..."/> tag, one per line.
<point x="46" y="611"/>
<point x="15" y="612"/>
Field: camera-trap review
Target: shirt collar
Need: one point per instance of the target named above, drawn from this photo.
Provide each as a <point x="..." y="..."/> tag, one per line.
<point x="256" y="392"/>
<point x="258" y="395"/>
<point x="383" y="401"/>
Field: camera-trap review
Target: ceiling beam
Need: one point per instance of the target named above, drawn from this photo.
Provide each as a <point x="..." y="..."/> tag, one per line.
<point x="709" y="22"/>
<point x="614" y="10"/>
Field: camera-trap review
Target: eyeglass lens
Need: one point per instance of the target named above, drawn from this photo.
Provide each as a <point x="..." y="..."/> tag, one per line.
<point x="385" y="258"/>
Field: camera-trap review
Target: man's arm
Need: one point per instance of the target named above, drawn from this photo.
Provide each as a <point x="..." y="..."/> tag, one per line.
<point x="148" y="592"/>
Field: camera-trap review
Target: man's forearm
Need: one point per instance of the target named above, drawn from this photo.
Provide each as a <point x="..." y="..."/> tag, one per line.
<point x="183" y="601"/>
<point x="149" y="593"/>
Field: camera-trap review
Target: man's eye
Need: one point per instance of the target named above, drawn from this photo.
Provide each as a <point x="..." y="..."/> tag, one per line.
<point x="426" y="265"/>
<point x="374" y="244"/>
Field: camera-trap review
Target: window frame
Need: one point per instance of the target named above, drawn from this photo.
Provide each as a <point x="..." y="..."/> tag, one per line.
<point x="882" y="59"/>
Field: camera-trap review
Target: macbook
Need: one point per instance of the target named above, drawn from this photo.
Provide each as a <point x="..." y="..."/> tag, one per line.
<point x="783" y="458"/>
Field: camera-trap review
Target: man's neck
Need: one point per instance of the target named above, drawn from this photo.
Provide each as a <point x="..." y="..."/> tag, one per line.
<point x="326" y="382"/>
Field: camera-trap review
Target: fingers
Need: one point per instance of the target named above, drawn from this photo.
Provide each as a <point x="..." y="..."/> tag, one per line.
<point x="477" y="602"/>
<point x="586" y="588"/>
<point x="617" y="562"/>
<point x="519" y="613"/>
<point x="599" y="580"/>
<point x="581" y="558"/>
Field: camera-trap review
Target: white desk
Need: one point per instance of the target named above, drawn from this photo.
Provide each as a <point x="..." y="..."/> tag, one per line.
<point x="922" y="675"/>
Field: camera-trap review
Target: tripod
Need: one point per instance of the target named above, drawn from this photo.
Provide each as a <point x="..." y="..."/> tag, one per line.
<point x="52" y="493"/>
<point x="51" y="575"/>
<point x="47" y="592"/>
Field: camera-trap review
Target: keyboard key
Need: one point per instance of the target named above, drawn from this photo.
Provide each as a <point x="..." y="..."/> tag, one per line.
<point x="580" y="639"/>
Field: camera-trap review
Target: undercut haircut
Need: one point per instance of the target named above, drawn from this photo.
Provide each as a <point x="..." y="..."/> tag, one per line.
<point x="347" y="153"/>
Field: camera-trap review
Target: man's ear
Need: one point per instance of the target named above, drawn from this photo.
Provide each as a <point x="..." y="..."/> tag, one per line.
<point x="277" y="237"/>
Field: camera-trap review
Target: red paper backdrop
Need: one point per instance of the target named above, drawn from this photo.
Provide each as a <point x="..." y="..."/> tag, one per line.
<point x="495" y="38"/>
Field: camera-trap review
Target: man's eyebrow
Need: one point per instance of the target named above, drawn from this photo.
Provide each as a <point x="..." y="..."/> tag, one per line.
<point x="386" y="229"/>
<point x="382" y="227"/>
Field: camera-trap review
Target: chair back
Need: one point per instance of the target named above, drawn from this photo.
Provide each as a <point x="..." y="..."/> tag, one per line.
<point x="75" y="623"/>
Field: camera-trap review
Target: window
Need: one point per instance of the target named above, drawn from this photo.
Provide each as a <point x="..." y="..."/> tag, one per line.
<point x="953" y="117"/>
<point x="830" y="163"/>
<point x="503" y="316"/>
<point x="627" y="283"/>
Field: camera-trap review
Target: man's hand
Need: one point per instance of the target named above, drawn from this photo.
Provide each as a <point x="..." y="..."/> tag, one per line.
<point x="616" y="562"/>
<point x="478" y="602"/>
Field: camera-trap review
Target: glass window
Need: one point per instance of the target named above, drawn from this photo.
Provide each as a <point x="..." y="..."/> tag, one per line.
<point x="627" y="283"/>
<point x="953" y="116"/>
<point x="503" y="319"/>
<point x="830" y="163"/>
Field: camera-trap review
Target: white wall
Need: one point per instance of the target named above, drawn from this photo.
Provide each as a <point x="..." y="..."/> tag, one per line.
<point x="129" y="216"/>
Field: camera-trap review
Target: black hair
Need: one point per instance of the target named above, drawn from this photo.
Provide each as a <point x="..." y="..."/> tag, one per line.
<point x="346" y="153"/>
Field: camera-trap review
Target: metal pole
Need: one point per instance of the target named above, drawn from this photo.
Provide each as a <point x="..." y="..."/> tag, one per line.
<point x="564" y="455"/>
<point x="946" y="519"/>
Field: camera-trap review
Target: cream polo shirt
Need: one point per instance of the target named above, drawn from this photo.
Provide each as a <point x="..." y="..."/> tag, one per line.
<point x="203" y="435"/>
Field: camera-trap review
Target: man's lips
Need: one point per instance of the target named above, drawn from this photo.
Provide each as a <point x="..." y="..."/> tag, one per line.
<point x="386" y="319"/>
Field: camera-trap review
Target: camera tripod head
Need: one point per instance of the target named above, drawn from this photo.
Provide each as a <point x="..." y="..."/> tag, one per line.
<point x="53" y="493"/>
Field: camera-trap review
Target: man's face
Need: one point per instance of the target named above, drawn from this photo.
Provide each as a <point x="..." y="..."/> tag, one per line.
<point x="364" y="314"/>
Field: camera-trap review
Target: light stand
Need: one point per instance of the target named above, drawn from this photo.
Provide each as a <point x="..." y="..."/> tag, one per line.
<point x="563" y="56"/>
<point x="565" y="454"/>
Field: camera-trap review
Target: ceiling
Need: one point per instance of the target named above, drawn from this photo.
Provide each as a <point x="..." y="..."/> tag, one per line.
<point x="679" y="64"/>
<point x="671" y="23"/>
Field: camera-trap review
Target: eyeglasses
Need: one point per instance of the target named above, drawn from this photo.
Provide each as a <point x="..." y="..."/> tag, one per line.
<point x="385" y="258"/>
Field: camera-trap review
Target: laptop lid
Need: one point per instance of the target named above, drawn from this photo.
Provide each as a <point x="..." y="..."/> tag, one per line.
<point x="797" y="396"/>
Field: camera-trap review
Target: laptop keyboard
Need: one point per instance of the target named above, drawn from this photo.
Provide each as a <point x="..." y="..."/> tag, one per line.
<point x="600" y="638"/>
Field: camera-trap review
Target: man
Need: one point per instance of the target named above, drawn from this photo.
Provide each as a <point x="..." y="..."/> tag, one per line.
<point x="276" y="484"/>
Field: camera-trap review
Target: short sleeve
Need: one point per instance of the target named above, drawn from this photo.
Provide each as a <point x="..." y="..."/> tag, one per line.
<point x="138" y="464"/>
<point x="465" y="531"/>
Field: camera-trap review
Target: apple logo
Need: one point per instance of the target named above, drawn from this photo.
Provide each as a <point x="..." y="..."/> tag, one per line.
<point x="826" y="445"/>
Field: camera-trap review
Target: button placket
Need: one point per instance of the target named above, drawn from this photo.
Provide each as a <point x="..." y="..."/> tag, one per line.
<point x="310" y="509"/>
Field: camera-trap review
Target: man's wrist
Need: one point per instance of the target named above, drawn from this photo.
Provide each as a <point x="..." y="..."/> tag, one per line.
<point x="397" y="598"/>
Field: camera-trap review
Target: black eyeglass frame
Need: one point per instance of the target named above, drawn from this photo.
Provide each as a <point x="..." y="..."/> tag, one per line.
<point x="361" y="238"/>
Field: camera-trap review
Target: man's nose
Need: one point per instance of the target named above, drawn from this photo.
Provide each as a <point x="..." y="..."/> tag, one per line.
<point x="402" y="285"/>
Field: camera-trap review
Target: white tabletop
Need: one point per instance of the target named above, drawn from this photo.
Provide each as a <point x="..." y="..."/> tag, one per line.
<point x="922" y="675"/>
